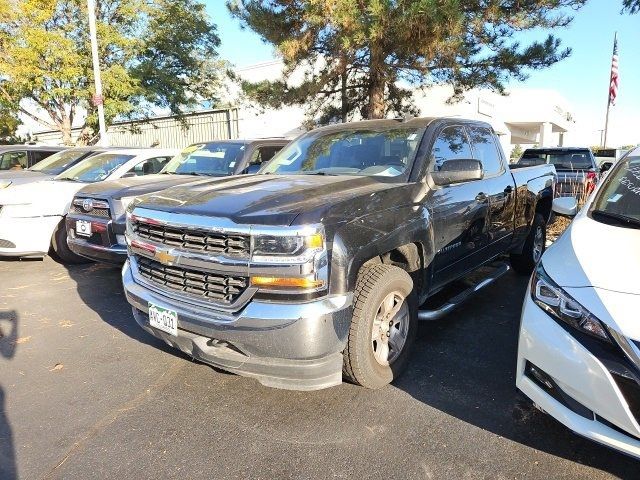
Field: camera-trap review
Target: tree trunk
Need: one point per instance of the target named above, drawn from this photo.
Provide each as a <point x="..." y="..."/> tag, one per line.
<point x="65" y="128"/>
<point x="377" y="83"/>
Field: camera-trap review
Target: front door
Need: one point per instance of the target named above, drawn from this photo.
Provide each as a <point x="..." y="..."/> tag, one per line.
<point x="459" y="212"/>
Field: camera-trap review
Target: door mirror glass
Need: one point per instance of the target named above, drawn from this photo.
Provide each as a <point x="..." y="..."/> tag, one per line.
<point x="565" y="206"/>
<point x="605" y="166"/>
<point x="457" y="171"/>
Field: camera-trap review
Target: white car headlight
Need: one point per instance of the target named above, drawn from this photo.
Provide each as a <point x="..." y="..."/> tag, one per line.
<point x="561" y="306"/>
<point x="5" y="183"/>
<point x="120" y="205"/>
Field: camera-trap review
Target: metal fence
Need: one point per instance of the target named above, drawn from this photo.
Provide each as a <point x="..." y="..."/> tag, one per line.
<point x="165" y="132"/>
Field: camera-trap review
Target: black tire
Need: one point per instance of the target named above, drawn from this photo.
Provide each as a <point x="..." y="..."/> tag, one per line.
<point x="525" y="262"/>
<point x="374" y="285"/>
<point x="61" y="248"/>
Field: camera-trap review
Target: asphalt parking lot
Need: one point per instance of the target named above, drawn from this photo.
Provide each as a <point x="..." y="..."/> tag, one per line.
<point x="85" y="393"/>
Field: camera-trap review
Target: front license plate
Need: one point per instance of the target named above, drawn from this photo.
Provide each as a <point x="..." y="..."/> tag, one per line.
<point x="163" y="319"/>
<point x="83" y="228"/>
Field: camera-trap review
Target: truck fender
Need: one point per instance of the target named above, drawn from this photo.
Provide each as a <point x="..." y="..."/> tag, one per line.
<point x="367" y="238"/>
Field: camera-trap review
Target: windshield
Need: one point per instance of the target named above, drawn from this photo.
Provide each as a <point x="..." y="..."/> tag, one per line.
<point x="216" y="159"/>
<point x="96" y="168"/>
<point x="386" y="153"/>
<point x="58" y="162"/>
<point x="619" y="196"/>
<point x="563" y="160"/>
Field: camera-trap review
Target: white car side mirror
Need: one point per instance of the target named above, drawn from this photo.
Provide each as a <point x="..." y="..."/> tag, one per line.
<point x="565" y="206"/>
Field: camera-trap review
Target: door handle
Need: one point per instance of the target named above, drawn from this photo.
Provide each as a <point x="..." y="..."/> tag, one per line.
<point x="481" y="197"/>
<point x="508" y="189"/>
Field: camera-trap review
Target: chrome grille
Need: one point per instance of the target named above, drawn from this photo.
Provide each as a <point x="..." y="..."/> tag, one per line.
<point x="221" y="288"/>
<point x="100" y="208"/>
<point x="194" y="240"/>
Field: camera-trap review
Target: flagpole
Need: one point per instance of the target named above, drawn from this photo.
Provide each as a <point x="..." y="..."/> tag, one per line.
<point x="606" y="120"/>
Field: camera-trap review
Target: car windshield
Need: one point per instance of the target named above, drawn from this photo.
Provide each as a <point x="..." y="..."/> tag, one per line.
<point x="387" y="153"/>
<point x="618" y="200"/>
<point x="216" y="159"/>
<point x="59" y="162"/>
<point x="96" y="168"/>
<point x="561" y="159"/>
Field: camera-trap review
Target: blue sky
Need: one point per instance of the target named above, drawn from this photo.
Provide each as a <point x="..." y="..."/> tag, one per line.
<point x="582" y="78"/>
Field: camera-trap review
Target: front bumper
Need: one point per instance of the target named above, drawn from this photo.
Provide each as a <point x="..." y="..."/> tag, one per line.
<point x="22" y="237"/>
<point x="102" y="246"/>
<point x="295" y="346"/>
<point x="586" y="397"/>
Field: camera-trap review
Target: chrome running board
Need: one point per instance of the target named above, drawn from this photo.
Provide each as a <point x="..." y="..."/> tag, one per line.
<point x="459" y="299"/>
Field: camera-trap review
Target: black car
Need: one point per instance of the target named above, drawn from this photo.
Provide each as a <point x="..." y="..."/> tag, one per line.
<point x="109" y="200"/>
<point x="20" y="157"/>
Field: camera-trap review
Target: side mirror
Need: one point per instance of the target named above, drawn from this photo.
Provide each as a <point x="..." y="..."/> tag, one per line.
<point x="565" y="206"/>
<point x="605" y="166"/>
<point x="457" y="171"/>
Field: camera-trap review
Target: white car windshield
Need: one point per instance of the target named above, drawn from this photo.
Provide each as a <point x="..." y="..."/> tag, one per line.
<point x="387" y="153"/>
<point x="216" y="159"/>
<point x="618" y="202"/>
<point x="96" y="168"/>
<point x="58" y="162"/>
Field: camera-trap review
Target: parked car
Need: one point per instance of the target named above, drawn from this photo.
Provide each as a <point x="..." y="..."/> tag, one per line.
<point x="49" y="167"/>
<point x="32" y="215"/>
<point x="19" y="157"/>
<point x="315" y="267"/>
<point x="579" y="348"/>
<point x="577" y="170"/>
<point x="102" y="225"/>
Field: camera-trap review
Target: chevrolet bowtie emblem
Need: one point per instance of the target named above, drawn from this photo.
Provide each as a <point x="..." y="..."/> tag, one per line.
<point x="164" y="257"/>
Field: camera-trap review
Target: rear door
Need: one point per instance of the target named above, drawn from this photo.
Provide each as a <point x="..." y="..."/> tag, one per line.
<point x="459" y="211"/>
<point x="499" y="185"/>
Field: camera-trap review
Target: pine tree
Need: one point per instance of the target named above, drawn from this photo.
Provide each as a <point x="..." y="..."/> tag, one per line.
<point x="366" y="56"/>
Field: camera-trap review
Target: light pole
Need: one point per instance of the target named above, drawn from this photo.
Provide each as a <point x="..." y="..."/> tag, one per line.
<point x="98" y="101"/>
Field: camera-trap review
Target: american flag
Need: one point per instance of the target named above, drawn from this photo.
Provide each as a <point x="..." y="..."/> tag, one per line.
<point x="613" y="84"/>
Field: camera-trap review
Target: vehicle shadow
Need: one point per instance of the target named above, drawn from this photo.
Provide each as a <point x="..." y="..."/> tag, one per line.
<point x="464" y="365"/>
<point x="8" y="343"/>
<point x="99" y="286"/>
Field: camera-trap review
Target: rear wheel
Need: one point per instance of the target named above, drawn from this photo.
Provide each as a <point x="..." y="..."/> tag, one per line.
<point x="383" y="327"/>
<point x="533" y="248"/>
<point x="61" y="248"/>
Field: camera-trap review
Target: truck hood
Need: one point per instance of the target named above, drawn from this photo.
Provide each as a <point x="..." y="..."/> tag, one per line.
<point x="273" y="199"/>
<point x="134" y="186"/>
<point x="48" y="197"/>
<point x="594" y="254"/>
<point x="16" y="174"/>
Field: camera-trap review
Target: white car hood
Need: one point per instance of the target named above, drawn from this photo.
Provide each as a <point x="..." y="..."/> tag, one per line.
<point x="594" y="254"/>
<point x="49" y="197"/>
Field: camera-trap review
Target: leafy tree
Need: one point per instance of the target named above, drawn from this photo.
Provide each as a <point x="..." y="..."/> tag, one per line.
<point x="153" y="53"/>
<point x="631" y="6"/>
<point x="516" y="153"/>
<point x="365" y="56"/>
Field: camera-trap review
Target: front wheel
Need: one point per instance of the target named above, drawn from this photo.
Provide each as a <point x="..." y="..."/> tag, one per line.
<point x="533" y="248"/>
<point x="61" y="248"/>
<point x="383" y="327"/>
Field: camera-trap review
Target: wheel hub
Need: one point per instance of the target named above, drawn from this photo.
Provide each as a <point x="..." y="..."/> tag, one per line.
<point x="390" y="328"/>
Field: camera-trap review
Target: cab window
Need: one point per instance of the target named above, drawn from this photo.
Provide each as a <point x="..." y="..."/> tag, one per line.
<point x="261" y="155"/>
<point x="451" y="144"/>
<point x="15" y="160"/>
<point x="150" y="166"/>
<point x="485" y="150"/>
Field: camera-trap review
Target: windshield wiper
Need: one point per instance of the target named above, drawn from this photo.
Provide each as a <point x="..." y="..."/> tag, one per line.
<point x="320" y="172"/>
<point x="68" y="179"/>
<point x="620" y="219"/>
<point x="199" y="174"/>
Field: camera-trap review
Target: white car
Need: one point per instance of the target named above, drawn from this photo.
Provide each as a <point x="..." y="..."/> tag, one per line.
<point x="579" y="346"/>
<point x="32" y="215"/>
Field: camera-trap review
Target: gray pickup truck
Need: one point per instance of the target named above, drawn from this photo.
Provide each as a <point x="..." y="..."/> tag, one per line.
<point x="319" y="267"/>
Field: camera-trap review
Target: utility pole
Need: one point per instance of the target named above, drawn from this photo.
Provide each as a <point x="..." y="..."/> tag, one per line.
<point x="98" y="101"/>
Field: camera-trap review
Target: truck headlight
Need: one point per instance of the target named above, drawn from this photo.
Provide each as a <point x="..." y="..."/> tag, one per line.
<point x="560" y="305"/>
<point x="286" y="248"/>
<point x="120" y="206"/>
